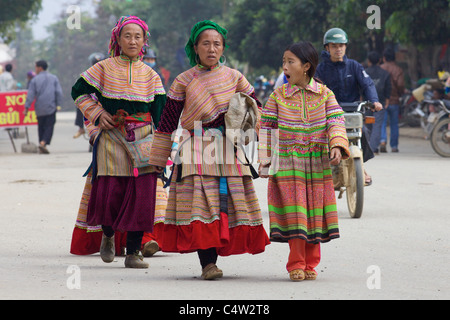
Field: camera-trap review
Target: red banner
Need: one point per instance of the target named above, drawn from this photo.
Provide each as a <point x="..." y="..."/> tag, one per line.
<point x="12" y="106"/>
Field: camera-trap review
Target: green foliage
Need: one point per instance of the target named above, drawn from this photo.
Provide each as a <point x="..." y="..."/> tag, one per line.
<point x="16" y="13"/>
<point x="263" y="28"/>
<point x="259" y="30"/>
<point x="170" y="23"/>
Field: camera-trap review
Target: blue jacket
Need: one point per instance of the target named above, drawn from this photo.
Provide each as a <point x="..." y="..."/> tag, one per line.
<point x="347" y="79"/>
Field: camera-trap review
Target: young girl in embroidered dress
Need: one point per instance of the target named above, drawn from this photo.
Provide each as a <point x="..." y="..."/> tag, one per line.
<point x="309" y="123"/>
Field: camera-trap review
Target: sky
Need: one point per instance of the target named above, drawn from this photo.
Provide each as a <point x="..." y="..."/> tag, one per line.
<point x="49" y="13"/>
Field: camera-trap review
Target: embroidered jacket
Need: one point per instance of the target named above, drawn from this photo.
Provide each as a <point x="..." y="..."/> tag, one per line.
<point x="308" y="120"/>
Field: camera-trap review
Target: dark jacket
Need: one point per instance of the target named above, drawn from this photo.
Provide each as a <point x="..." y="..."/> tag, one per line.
<point x="397" y="81"/>
<point x="382" y="81"/>
<point x="347" y="79"/>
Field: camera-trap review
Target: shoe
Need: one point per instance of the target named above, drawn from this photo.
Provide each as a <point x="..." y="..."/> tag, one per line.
<point x="43" y="149"/>
<point x="383" y="147"/>
<point x="107" y="249"/>
<point x="310" y="275"/>
<point x="367" y="179"/>
<point x="394" y="150"/>
<point x="297" y="275"/>
<point x="79" y="133"/>
<point x="150" y="248"/>
<point x="211" y="272"/>
<point x="135" y="261"/>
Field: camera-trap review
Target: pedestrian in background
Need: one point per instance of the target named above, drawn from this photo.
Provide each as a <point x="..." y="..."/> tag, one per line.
<point x="46" y="93"/>
<point x="301" y="196"/>
<point x="7" y="82"/>
<point x="393" y="110"/>
<point x="30" y="76"/>
<point x="382" y="81"/>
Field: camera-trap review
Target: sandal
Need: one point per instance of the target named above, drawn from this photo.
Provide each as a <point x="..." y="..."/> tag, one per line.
<point x="367" y="179"/>
<point x="310" y="275"/>
<point x="211" y="272"/>
<point x="297" y="275"/>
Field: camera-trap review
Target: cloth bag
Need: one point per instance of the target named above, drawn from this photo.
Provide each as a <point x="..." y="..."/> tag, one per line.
<point x="242" y="115"/>
<point x="242" y="118"/>
<point x="138" y="150"/>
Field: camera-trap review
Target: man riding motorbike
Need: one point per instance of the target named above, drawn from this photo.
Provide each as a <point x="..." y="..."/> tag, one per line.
<point x="346" y="78"/>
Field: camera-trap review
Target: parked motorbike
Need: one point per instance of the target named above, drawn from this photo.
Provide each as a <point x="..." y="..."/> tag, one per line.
<point x="348" y="176"/>
<point x="439" y="122"/>
<point x="416" y="107"/>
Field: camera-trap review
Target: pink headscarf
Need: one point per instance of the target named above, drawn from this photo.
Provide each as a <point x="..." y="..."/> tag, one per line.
<point x="114" y="48"/>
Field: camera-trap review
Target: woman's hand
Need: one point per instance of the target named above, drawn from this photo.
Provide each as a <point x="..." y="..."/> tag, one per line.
<point x="159" y="169"/>
<point x="106" y="121"/>
<point x="335" y="156"/>
<point x="263" y="170"/>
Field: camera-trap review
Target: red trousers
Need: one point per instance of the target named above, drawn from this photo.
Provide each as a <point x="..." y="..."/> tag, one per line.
<point x="303" y="255"/>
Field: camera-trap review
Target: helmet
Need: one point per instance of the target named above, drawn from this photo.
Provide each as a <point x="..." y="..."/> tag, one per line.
<point x="335" y="35"/>
<point x="96" y="57"/>
<point x="149" y="54"/>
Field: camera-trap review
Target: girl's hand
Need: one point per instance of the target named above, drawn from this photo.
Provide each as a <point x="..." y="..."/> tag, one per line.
<point x="335" y="156"/>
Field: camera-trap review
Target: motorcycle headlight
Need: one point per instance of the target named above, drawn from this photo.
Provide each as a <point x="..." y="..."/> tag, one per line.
<point x="353" y="120"/>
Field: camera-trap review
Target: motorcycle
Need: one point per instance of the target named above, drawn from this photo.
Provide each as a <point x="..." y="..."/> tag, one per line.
<point x="439" y="121"/>
<point x="348" y="176"/>
<point x="416" y="107"/>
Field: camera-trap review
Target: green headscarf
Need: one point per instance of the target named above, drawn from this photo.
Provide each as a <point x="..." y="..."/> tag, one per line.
<point x="195" y="32"/>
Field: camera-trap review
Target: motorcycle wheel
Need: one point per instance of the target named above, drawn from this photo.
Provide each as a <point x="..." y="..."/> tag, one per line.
<point x="355" y="190"/>
<point x="440" y="138"/>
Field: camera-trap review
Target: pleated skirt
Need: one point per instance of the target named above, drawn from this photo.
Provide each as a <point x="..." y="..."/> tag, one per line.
<point x="302" y="200"/>
<point x="124" y="203"/>
<point x="194" y="220"/>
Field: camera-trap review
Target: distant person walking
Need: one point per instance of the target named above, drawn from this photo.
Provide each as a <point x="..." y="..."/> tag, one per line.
<point x="7" y="82"/>
<point x="46" y="91"/>
<point x="382" y="81"/>
<point x="393" y="110"/>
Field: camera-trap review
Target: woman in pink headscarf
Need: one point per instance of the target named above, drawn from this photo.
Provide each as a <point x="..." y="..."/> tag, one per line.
<point x="124" y="98"/>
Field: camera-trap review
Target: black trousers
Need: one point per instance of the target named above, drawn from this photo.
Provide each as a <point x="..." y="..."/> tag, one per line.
<point x="46" y="124"/>
<point x="79" y="119"/>
<point x="207" y="256"/>
<point x="134" y="238"/>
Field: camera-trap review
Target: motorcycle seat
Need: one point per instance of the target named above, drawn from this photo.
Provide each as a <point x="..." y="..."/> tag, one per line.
<point x="349" y="106"/>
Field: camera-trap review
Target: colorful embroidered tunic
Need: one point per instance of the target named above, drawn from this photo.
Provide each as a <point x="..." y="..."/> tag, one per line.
<point x="200" y="96"/>
<point x="121" y="86"/>
<point x="301" y="193"/>
<point x="193" y="217"/>
<point x="122" y="195"/>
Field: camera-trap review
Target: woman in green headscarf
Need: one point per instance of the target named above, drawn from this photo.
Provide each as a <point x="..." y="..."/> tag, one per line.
<point x="198" y="99"/>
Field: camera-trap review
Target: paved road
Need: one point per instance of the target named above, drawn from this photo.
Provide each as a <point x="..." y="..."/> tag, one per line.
<point x="399" y="249"/>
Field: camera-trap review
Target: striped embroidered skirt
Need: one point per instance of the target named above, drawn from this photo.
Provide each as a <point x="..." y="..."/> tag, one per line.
<point x="302" y="201"/>
<point x="194" y="220"/>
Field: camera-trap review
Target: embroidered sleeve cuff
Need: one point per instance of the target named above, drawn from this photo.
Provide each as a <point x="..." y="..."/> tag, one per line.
<point x="343" y="144"/>
<point x="161" y="148"/>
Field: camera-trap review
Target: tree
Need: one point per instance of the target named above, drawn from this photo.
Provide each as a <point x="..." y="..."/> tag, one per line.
<point x="262" y="29"/>
<point x="170" y="24"/>
<point x="67" y="51"/>
<point x="15" y="13"/>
